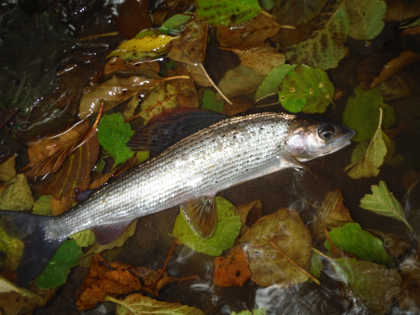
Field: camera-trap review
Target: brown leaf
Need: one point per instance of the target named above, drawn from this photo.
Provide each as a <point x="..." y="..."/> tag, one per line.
<point x="7" y="169"/>
<point x="232" y="270"/>
<point x="198" y="75"/>
<point x="104" y="279"/>
<point x="249" y="34"/>
<point x="191" y="47"/>
<point x="253" y="207"/>
<point x="268" y="265"/>
<point x="59" y="206"/>
<point x="394" y="244"/>
<point x="261" y="59"/>
<point x="396" y="65"/>
<point x="117" y="64"/>
<point x="240" y="81"/>
<point x="187" y="95"/>
<point x="409" y="298"/>
<point x="331" y="213"/>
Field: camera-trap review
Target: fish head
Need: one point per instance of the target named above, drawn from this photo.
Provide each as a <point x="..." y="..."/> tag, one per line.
<point x="309" y="140"/>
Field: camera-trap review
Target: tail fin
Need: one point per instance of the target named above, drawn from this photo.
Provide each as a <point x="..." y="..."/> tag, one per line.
<point x="38" y="245"/>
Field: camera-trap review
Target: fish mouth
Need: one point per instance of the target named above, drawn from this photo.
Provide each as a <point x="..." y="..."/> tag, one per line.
<point x="343" y="141"/>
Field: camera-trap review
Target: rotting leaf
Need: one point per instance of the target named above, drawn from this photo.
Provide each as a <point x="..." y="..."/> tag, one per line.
<point x="366" y="161"/>
<point x="17" y="195"/>
<point x="24" y="302"/>
<point x="55" y="274"/>
<point x="232" y="270"/>
<point x="239" y="81"/>
<point x="7" y="286"/>
<point x="250" y="211"/>
<point x="210" y="101"/>
<point x="374" y="284"/>
<point x="104" y="279"/>
<point x="383" y="202"/>
<point x="268" y="265"/>
<point x="137" y="304"/>
<point x="226" y="12"/>
<point x="352" y="239"/>
<point x="113" y="135"/>
<point x="261" y="59"/>
<point x="409" y="298"/>
<point x="7" y="169"/>
<point x="306" y="89"/>
<point x="297" y="12"/>
<point x="117" y="65"/>
<point x="227" y="229"/>
<point x="271" y="83"/>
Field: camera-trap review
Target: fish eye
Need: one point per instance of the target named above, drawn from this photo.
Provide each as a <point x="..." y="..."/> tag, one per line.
<point x="326" y="132"/>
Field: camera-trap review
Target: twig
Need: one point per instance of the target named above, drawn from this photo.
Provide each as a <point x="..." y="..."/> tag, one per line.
<point x="175" y="77"/>
<point x="321" y="253"/>
<point x="214" y="84"/>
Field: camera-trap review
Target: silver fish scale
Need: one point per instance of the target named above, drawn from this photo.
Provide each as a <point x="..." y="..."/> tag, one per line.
<point x="225" y="154"/>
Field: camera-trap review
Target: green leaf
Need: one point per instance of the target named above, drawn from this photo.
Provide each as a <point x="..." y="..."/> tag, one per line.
<point x="362" y="113"/>
<point x="142" y="156"/>
<point x="267" y="4"/>
<point x="375" y="285"/>
<point x="137" y="304"/>
<point x="259" y="311"/>
<point x="17" y="195"/>
<point x="55" y="274"/>
<point x="227" y="229"/>
<point x="366" y="160"/>
<point x="366" y="18"/>
<point x="227" y="12"/>
<point x="326" y="47"/>
<point x="272" y="81"/>
<point x="113" y="135"/>
<point x="84" y="238"/>
<point x="174" y="24"/>
<point x="306" y="89"/>
<point x="352" y="239"/>
<point x="210" y="101"/>
<point x="11" y="250"/>
<point x="383" y="202"/>
<point x="316" y="265"/>
<point x="42" y="205"/>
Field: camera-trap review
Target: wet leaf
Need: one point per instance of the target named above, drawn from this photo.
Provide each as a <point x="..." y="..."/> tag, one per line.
<point x="11" y="250"/>
<point x="325" y="48"/>
<point x="210" y="101"/>
<point x="297" y="12"/>
<point x="306" y="89"/>
<point x="250" y="212"/>
<point x="331" y="213"/>
<point x="113" y="135"/>
<point x="12" y="303"/>
<point x="239" y="81"/>
<point x="104" y="279"/>
<point x="409" y="298"/>
<point x="316" y="265"/>
<point x="7" y="169"/>
<point x="137" y="304"/>
<point x="366" y="160"/>
<point x="268" y="265"/>
<point x="227" y="229"/>
<point x="352" y="239"/>
<point x="226" y="12"/>
<point x="259" y="311"/>
<point x="55" y="274"/>
<point x="84" y="238"/>
<point x="261" y="59"/>
<point x="7" y="286"/>
<point x="112" y="92"/>
<point x="17" y="195"/>
<point x="142" y="156"/>
<point x="43" y="205"/>
<point x="146" y="46"/>
<point x="374" y="284"/>
<point x="175" y="24"/>
<point x="383" y="202"/>
<point x="232" y="270"/>
<point x="366" y="18"/>
<point x="117" y="65"/>
<point x="272" y="81"/>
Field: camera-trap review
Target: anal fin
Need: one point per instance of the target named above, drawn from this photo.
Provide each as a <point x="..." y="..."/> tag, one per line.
<point x="107" y="233"/>
<point x="201" y="214"/>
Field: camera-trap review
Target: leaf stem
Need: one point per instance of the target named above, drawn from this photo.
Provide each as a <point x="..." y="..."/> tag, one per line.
<point x="214" y="84"/>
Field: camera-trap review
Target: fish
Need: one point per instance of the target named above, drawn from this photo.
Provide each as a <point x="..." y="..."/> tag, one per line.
<point x="188" y="174"/>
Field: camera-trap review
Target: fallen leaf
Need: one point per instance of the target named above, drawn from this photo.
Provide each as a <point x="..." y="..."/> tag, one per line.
<point x="226" y="12"/>
<point x="409" y="298"/>
<point x="306" y="89"/>
<point x="271" y="83"/>
<point x="137" y="304"/>
<point x="63" y="204"/>
<point x="12" y="303"/>
<point x="383" y="202"/>
<point x="118" y="65"/>
<point x="297" y="12"/>
<point x="175" y="24"/>
<point x="268" y="265"/>
<point x="316" y="265"/>
<point x="259" y="311"/>
<point x="240" y="81"/>
<point x="227" y="229"/>
<point x="55" y="274"/>
<point x="43" y="205"/>
<point x="211" y="102"/>
<point x="250" y="212"/>
<point x="374" y="284"/>
<point x="261" y="59"/>
<point x="394" y="244"/>
<point x="198" y="75"/>
<point x="352" y="239"/>
<point x="84" y="238"/>
<point x="232" y="270"/>
<point x="395" y="65"/>
<point x="11" y="250"/>
<point x="249" y="34"/>
<point x="7" y="169"/>
<point x="366" y="160"/>
<point x="17" y="195"/>
<point x="146" y="45"/>
<point x="104" y="279"/>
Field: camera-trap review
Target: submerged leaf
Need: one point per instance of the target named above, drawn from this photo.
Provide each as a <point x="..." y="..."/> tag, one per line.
<point x="272" y="81"/>
<point x="227" y="12"/>
<point x="261" y="59"/>
<point x="306" y="89"/>
<point x="210" y="101"/>
<point x="7" y="169"/>
<point x="297" y="12"/>
<point x="17" y="195"/>
<point x="232" y="269"/>
<point x="84" y="238"/>
<point x="55" y="274"/>
<point x="137" y="304"/>
<point x="239" y="81"/>
<point x="11" y="250"/>
<point x="383" y="202"/>
<point x="227" y="229"/>
<point x="43" y="205"/>
<point x="174" y="24"/>
<point x="259" y="311"/>
<point x="113" y="135"/>
<point x="352" y="239"/>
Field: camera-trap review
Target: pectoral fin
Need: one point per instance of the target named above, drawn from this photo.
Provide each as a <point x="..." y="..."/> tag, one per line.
<point x="201" y="214"/>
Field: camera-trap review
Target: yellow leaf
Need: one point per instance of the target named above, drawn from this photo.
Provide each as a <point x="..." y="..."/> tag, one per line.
<point x="7" y="169"/>
<point x="17" y="195"/>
